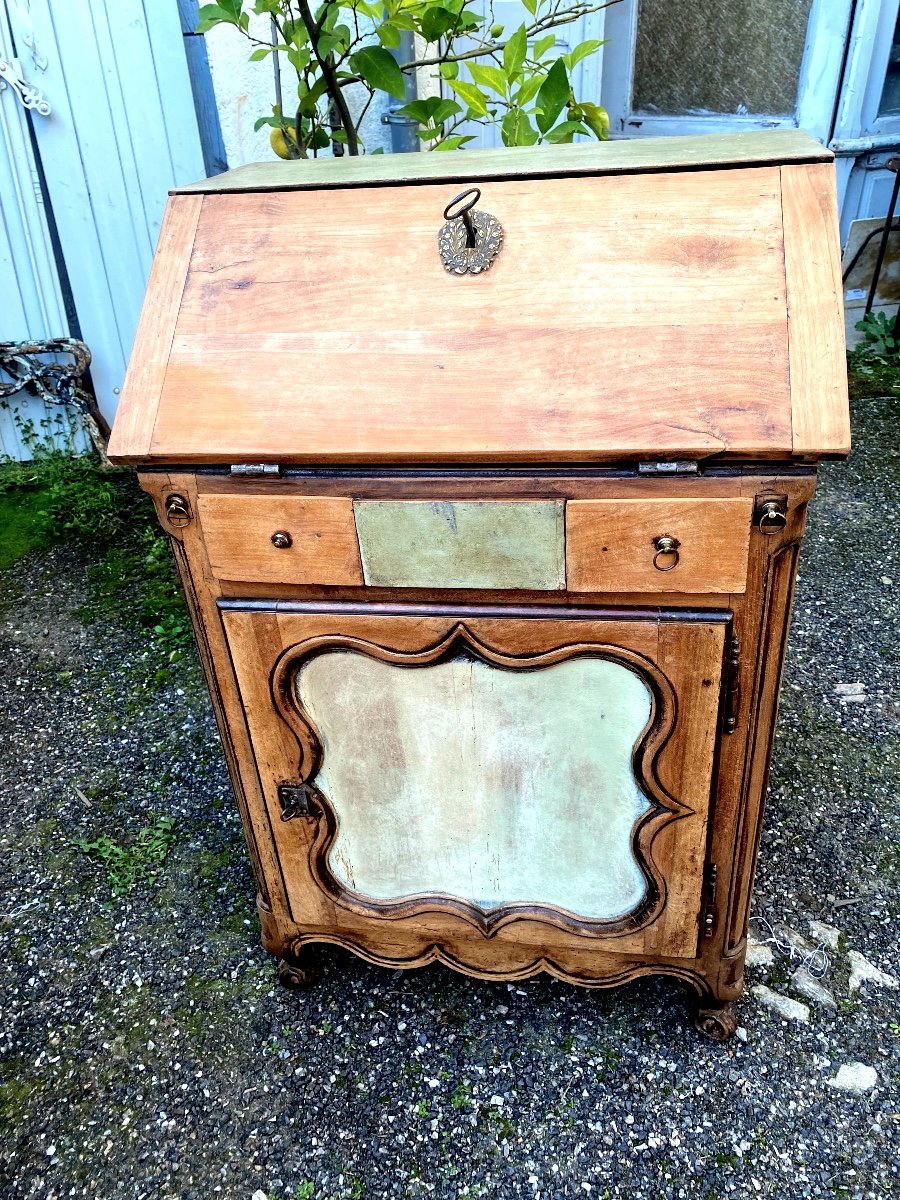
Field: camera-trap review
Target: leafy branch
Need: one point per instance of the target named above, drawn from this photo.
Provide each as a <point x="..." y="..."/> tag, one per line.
<point x="496" y="77"/>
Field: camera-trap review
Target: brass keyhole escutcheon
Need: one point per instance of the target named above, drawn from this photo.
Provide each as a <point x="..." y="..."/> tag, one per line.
<point x="470" y="240"/>
<point x="666" y="556"/>
<point x="282" y="540"/>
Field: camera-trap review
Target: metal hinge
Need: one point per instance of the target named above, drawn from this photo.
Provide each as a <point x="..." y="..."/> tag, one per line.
<point x="732" y="702"/>
<point x="680" y="467"/>
<point x="255" y="469"/>
<point x="299" y="800"/>
<point x="708" y="912"/>
<point x="28" y="95"/>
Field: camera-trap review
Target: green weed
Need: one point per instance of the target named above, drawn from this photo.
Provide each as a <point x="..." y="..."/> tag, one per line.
<point x="128" y="864"/>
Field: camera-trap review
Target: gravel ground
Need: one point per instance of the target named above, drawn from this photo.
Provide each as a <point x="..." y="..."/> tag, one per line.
<point x="148" y="1051"/>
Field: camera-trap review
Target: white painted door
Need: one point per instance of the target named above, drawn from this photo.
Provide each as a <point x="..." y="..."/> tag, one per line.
<point x="33" y="306"/>
<point x="867" y="124"/>
<point x="121" y="131"/>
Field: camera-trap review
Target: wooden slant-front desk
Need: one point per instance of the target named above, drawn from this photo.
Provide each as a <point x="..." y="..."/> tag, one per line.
<point x="488" y="520"/>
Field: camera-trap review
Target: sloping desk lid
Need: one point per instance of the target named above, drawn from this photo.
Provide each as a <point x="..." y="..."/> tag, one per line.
<point x="674" y="298"/>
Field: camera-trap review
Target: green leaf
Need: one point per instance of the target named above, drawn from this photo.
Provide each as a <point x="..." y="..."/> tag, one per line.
<point x="379" y="69"/>
<point x="596" y="119"/>
<point x="389" y="36"/>
<point x="436" y="21"/>
<point x="517" y="130"/>
<point x="310" y="100"/>
<point x="564" y="132"/>
<point x="490" y="77"/>
<point x="475" y="99"/>
<point x="233" y="8"/>
<point x="211" y="15"/>
<point x="552" y="96"/>
<point x="449" y="70"/>
<point x="531" y="5"/>
<point x="582" y="50"/>
<point x="542" y="45"/>
<point x="260" y="52"/>
<point x="514" y="53"/>
<point x="298" y="57"/>
<point x="528" y="90"/>
<point x="432" y="109"/>
<point x="454" y="143"/>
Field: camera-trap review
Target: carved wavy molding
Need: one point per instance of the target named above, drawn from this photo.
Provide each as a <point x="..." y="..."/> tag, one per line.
<point x="512" y="966"/>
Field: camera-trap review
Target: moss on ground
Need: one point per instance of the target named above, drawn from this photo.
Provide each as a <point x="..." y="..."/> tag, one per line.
<point x="58" y="497"/>
<point x="22" y="530"/>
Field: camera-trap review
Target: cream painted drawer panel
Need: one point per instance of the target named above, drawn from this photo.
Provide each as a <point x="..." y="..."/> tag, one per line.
<point x="658" y="545"/>
<point x="462" y="544"/>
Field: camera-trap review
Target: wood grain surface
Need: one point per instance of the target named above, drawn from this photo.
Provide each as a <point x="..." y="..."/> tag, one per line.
<point x="627" y="316"/>
<point x="611" y="545"/>
<point x="238" y="534"/>
<point x="812" y="264"/>
<point x="136" y="412"/>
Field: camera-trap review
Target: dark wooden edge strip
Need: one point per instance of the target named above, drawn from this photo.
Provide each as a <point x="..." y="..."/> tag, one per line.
<point x="517" y="612"/>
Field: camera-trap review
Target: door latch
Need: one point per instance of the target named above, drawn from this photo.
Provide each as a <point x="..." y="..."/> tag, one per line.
<point x="708" y="915"/>
<point x="299" y="800"/>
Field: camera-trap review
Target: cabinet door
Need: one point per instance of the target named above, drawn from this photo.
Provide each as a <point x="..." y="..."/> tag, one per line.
<point x="486" y="773"/>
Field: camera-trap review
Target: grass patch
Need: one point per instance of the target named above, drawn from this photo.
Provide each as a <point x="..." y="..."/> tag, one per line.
<point x="137" y="861"/>
<point x="62" y="497"/>
<point x="874" y="365"/>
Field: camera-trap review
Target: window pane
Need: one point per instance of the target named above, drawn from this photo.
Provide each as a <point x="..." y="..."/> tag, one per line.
<point x="718" y="56"/>
<point x="890" y="97"/>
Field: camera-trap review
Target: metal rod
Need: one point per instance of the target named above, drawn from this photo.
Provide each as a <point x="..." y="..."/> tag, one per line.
<point x="893" y="164"/>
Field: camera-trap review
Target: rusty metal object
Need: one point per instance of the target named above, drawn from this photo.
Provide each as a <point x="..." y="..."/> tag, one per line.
<point x="55" y="382"/>
<point x="732" y="686"/>
<point x="299" y="800"/>
<point x="708" y="919"/>
<point x="717" y="1023"/>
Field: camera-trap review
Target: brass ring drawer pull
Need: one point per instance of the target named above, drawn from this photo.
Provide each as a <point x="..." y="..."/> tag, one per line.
<point x="282" y="540"/>
<point x="666" y="547"/>
<point x="771" y="518"/>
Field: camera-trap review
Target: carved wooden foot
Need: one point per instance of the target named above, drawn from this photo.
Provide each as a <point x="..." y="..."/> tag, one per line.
<point x="717" y="1022"/>
<point x="298" y="969"/>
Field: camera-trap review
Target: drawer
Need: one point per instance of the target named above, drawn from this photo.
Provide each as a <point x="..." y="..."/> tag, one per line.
<point x="490" y="544"/>
<point x="281" y="539"/>
<point x="614" y="545"/>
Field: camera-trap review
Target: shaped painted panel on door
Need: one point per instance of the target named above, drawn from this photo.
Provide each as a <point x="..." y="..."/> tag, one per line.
<point x="468" y="780"/>
<point x="458" y="776"/>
